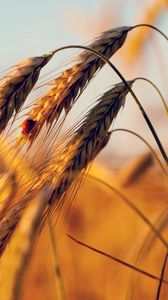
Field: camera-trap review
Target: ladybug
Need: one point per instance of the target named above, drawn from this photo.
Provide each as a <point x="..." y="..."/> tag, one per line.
<point x="27" y="126"/>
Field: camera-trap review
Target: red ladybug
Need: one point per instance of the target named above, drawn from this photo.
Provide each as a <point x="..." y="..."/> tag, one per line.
<point x="27" y="126"/>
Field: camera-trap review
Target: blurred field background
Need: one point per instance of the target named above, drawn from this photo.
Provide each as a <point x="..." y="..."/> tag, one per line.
<point x="98" y="216"/>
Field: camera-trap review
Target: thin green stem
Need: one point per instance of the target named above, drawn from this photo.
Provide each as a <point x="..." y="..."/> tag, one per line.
<point x="146" y="143"/>
<point x="152" y="27"/>
<point x="157" y="89"/>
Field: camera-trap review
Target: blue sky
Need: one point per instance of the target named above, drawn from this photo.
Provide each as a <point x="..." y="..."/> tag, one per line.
<point x="35" y="26"/>
<point x="29" y="27"/>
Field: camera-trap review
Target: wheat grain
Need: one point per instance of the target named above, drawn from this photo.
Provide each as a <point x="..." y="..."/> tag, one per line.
<point x="18" y="84"/>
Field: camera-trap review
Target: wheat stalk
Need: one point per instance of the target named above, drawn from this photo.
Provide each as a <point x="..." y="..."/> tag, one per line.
<point x="71" y="83"/>
<point x="157" y="90"/>
<point x="152" y="151"/>
<point x="18" y="84"/>
<point x="162" y="277"/>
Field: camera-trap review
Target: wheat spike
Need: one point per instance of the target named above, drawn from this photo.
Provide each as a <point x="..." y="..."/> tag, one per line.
<point x="71" y="83"/>
<point x="87" y="142"/>
<point x="18" y="84"/>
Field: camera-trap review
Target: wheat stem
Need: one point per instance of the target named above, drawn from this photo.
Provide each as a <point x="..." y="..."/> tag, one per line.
<point x="157" y="89"/>
<point x="58" y="277"/>
<point x="161" y="277"/>
<point x="117" y="260"/>
<point x="146" y="143"/>
<point x="152" y="27"/>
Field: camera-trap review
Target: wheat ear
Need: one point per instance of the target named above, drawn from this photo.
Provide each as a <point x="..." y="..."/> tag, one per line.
<point x="86" y="142"/>
<point x="71" y="83"/>
<point x="18" y="84"/>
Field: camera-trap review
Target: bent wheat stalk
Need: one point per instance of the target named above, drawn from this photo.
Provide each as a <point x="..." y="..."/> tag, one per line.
<point x="151" y="27"/>
<point x="147" y="144"/>
<point x="18" y="84"/>
<point x="157" y="89"/>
